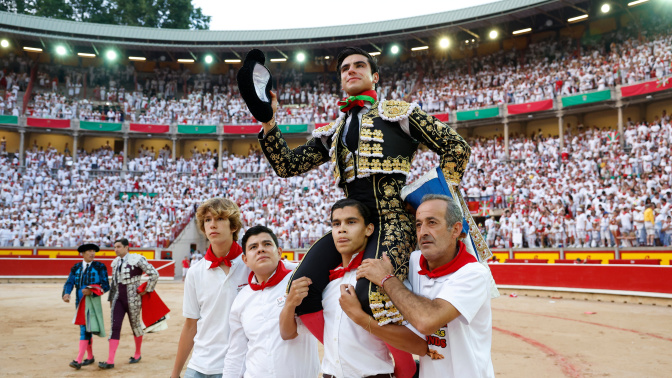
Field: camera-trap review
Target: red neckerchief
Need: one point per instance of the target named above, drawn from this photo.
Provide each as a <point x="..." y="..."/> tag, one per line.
<point x="350" y="102"/>
<point x="234" y="252"/>
<point x="461" y="259"/>
<point x="280" y="272"/>
<point x="340" y="271"/>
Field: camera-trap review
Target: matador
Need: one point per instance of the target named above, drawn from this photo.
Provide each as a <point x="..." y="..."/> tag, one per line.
<point x="371" y="147"/>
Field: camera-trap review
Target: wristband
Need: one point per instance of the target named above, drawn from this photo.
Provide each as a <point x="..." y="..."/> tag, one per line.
<point x="382" y="282"/>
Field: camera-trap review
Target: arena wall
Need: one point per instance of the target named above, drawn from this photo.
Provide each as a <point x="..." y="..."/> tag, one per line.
<point x="242" y="147"/>
<point x="496" y="130"/>
<point x="90" y="143"/>
<point x="13" y="140"/>
<point x="601" y="26"/>
<point x="602" y="254"/>
<point x="44" y="139"/>
<point x="519" y="43"/>
<point x="60" y="268"/>
<point x="548" y="126"/>
<point x="571" y="122"/>
<point x="614" y="279"/>
<point x="156" y="142"/>
<point x="609" y="118"/>
<point x="656" y="109"/>
<point x="185" y="146"/>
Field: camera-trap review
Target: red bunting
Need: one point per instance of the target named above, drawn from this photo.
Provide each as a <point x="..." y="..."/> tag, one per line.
<point x="530" y="107"/>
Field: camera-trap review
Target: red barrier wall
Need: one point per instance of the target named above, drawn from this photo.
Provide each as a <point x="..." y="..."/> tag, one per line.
<point x="644" y="278"/>
<point x="61" y="267"/>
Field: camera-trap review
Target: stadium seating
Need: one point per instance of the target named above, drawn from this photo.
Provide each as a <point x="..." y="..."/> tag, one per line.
<point x="543" y="185"/>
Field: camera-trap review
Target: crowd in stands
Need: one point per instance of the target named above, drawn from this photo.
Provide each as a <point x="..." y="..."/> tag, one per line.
<point x="543" y="70"/>
<point x="591" y="193"/>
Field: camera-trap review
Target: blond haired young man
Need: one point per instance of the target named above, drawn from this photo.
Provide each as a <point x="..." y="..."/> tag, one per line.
<point x="209" y="290"/>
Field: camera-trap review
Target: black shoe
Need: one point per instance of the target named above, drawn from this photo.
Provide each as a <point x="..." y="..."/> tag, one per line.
<point x="134" y="360"/>
<point x="88" y="361"/>
<point x="105" y="365"/>
<point x="75" y="364"/>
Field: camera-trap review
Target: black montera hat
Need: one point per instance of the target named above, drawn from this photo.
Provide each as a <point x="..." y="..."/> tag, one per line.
<point x="87" y="247"/>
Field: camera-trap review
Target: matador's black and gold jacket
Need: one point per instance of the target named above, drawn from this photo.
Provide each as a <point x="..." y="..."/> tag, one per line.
<point x="389" y="136"/>
<point x="374" y="174"/>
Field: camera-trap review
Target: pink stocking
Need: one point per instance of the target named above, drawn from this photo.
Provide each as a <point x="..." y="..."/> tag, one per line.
<point x="82" y="349"/>
<point x="138" y="344"/>
<point x="114" y="344"/>
<point x="89" y="349"/>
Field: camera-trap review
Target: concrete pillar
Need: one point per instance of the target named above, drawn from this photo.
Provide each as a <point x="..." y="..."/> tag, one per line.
<point x="561" y="128"/>
<point x="125" y="166"/>
<point x="219" y="153"/>
<point x="174" y="139"/>
<point x="619" y="107"/>
<point x="22" y="146"/>
<point x="75" y="138"/>
<point x="506" y="138"/>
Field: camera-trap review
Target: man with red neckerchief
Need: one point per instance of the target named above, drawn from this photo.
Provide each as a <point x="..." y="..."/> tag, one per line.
<point x="353" y="346"/>
<point x="450" y="299"/>
<point x="209" y="290"/>
<point x="255" y="346"/>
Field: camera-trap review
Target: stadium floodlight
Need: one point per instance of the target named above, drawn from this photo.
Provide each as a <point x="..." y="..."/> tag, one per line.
<point x="444" y="43"/>
<point x="32" y="49"/>
<point x="375" y="53"/>
<point x="605" y="8"/>
<point x="278" y="60"/>
<point x="185" y="61"/>
<point x="232" y="61"/>
<point x="493" y="34"/>
<point x="522" y="31"/>
<point x="61" y="50"/>
<point x="394" y="49"/>
<point x="208" y="59"/>
<point x="301" y="57"/>
<point x="86" y="55"/>
<point x="137" y="58"/>
<point x="4" y="43"/>
<point x="632" y="4"/>
<point x="419" y="48"/>
<point x="111" y="55"/>
<point x="578" y="18"/>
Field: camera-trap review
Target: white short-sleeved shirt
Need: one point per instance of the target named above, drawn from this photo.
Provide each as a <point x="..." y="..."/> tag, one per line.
<point x="256" y="348"/>
<point x="208" y="296"/>
<point x="466" y="341"/>
<point x="349" y="350"/>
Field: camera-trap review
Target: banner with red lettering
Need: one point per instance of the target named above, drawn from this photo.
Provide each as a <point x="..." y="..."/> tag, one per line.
<point x="648" y="87"/>
<point x="48" y="122"/>
<point x="147" y="128"/>
<point x="530" y="107"/>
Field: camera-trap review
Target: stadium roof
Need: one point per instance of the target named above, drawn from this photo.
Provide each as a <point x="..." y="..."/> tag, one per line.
<point x="24" y="27"/>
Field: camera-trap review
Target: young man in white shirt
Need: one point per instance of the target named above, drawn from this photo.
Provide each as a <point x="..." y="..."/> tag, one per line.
<point x="450" y="301"/>
<point x="351" y="348"/>
<point x="209" y="290"/>
<point x="255" y="346"/>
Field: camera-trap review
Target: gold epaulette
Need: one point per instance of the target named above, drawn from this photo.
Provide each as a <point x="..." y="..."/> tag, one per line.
<point x="395" y="110"/>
